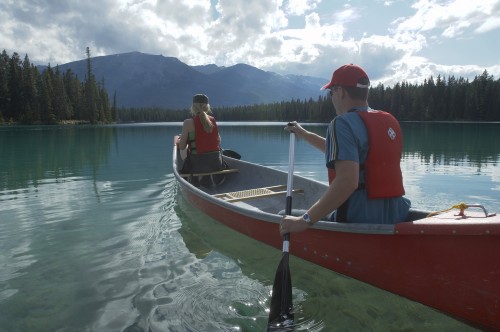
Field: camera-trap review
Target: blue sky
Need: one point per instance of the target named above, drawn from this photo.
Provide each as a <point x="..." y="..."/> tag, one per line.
<point x="394" y="40"/>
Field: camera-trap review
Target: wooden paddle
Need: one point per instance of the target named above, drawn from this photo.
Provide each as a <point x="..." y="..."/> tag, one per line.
<point x="281" y="311"/>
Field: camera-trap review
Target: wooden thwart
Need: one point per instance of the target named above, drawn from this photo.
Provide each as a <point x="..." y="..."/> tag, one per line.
<point x="224" y="171"/>
<point x="237" y="196"/>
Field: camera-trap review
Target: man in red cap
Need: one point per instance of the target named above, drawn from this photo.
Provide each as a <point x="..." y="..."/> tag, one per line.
<point x="363" y="150"/>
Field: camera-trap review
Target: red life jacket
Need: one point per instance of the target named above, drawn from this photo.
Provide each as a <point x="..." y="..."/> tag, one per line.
<point x="383" y="177"/>
<point x="206" y="142"/>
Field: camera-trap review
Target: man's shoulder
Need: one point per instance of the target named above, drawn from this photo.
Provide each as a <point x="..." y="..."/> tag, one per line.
<point x="347" y="120"/>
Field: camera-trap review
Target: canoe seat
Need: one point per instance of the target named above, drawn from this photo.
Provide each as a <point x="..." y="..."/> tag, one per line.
<point x="242" y="195"/>
<point x="224" y="171"/>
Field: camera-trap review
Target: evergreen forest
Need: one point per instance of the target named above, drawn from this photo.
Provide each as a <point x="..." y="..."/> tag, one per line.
<point x="437" y="99"/>
<point x="50" y="97"/>
<point x="28" y="96"/>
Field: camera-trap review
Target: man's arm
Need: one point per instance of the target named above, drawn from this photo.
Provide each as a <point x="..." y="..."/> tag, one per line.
<point x="314" y="139"/>
<point x="346" y="181"/>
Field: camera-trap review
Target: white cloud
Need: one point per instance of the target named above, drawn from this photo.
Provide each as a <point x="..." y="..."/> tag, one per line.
<point x="491" y="23"/>
<point x="392" y="39"/>
<point x="346" y="15"/>
<point x="451" y="17"/>
<point x="301" y="7"/>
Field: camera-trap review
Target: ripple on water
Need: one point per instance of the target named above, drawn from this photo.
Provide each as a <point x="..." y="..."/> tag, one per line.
<point x="212" y="287"/>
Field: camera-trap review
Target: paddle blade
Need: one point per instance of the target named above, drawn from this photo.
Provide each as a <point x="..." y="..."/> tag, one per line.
<point x="281" y="311"/>
<point x="231" y="154"/>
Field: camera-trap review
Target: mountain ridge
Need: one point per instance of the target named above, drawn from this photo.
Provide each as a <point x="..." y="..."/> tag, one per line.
<point x="144" y="81"/>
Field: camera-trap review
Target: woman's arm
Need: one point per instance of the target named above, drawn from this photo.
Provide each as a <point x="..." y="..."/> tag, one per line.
<point x="187" y="126"/>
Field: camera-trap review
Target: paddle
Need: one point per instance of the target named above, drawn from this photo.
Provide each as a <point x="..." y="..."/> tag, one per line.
<point x="281" y="311"/>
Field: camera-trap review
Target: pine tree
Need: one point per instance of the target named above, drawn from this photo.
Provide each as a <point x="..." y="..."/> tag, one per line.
<point x="74" y="92"/>
<point x="90" y="92"/>
<point x="4" y="85"/>
<point x="47" y="114"/>
<point x="29" y="110"/>
<point x="14" y="83"/>
<point x="62" y="107"/>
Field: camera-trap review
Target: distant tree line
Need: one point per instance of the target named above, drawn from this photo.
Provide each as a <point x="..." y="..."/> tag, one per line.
<point x="441" y="99"/>
<point x="28" y="96"/>
<point x="437" y="99"/>
<point x="311" y="111"/>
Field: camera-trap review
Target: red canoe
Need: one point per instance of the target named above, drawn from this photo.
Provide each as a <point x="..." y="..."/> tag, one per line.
<point x="447" y="261"/>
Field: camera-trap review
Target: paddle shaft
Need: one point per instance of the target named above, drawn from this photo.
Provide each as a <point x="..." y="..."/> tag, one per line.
<point x="289" y="181"/>
<point x="289" y="188"/>
<point x="281" y="310"/>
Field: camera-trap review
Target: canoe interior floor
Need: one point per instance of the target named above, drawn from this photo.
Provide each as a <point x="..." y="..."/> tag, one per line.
<point x="254" y="193"/>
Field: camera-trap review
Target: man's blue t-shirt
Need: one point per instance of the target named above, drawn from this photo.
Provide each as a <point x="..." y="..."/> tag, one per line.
<point x="347" y="139"/>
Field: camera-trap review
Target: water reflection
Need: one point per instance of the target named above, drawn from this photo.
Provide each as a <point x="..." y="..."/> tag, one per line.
<point x="33" y="153"/>
<point x="456" y="144"/>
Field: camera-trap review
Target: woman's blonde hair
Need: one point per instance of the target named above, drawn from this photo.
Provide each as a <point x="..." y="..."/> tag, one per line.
<point x="202" y="110"/>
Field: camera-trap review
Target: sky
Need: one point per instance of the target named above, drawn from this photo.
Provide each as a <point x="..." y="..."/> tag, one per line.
<point x="393" y="40"/>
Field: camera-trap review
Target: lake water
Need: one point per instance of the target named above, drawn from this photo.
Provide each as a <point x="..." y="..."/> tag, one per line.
<point x="94" y="235"/>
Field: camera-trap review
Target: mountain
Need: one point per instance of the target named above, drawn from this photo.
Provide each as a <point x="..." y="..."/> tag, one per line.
<point x="144" y="80"/>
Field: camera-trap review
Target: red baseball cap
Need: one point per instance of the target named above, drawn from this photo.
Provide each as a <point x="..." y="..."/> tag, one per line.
<point x="349" y="75"/>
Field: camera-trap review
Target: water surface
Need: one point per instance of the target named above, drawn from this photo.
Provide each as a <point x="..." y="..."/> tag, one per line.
<point x="94" y="235"/>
